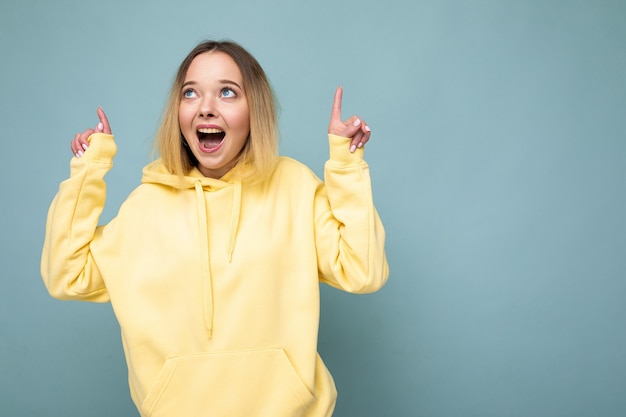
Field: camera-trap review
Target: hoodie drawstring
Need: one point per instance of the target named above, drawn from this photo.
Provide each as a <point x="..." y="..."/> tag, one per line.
<point x="234" y="219"/>
<point x="207" y="280"/>
<point x="205" y="259"/>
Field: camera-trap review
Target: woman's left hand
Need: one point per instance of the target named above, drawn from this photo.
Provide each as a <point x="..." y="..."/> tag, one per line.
<point x="353" y="128"/>
<point x="80" y="143"/>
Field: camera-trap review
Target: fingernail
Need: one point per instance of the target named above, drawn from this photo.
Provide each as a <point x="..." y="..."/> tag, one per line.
<point x="100" y="126"/>
<point x="360" y="144"/>
<point x="357" y="122"/>
<point x="84" y="145"/>
<point x="352" y="148"/>
<point x="79" y="154"/>
<point x="368" y="128"/>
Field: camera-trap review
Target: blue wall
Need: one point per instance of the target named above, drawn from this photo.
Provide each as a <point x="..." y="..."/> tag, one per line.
<point x="499" y="166"/>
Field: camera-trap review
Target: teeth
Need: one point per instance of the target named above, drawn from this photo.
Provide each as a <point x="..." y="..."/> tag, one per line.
<point x="210" y="130"/>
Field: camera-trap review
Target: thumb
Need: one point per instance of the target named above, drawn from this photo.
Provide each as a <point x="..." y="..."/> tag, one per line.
<point x="352" y="126"/>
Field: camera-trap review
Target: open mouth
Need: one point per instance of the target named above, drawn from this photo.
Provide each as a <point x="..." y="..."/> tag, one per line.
<point x="210" y="138"/>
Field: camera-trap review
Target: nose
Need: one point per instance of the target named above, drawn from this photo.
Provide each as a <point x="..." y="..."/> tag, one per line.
<point x="208" y="108"/>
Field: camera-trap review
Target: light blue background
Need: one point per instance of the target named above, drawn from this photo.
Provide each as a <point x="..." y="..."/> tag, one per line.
<point x="498" y="161"/>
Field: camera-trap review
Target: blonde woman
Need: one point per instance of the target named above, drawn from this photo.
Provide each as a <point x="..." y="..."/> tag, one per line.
<point x="213" y="262"/>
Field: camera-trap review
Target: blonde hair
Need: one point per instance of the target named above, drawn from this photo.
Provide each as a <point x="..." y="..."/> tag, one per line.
<point x="261" y="148"/>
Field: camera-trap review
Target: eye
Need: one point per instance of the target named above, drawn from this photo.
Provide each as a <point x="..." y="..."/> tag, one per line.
<point x="228" y="93"/>
<point x="189" y="93"/>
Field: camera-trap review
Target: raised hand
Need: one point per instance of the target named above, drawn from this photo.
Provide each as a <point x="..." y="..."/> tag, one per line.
<point x="80" y="143"/>
<point x="353" y="128"/>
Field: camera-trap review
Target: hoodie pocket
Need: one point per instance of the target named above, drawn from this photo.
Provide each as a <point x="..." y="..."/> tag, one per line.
<point x="252" y="383"/>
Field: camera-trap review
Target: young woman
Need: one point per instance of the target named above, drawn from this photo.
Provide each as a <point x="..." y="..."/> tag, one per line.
<point x="213" y="263"/>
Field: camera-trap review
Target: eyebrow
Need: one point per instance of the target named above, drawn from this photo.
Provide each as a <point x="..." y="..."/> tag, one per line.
<point x="185" y="84"/>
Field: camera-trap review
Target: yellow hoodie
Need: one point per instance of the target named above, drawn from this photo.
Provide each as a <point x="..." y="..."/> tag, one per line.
<point x="215" y="283"/>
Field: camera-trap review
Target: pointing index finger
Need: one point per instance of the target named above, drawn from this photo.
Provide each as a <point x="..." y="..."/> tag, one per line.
<point x="106" y="128"/>
<point x="336" y="112"/>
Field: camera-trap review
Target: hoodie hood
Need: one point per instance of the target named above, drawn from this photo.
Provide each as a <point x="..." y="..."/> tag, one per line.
<point x="157" y="173"/>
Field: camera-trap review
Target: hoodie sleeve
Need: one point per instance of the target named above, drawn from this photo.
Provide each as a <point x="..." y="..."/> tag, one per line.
<point x="67" y="267"/>
<point x="350" y="238"/>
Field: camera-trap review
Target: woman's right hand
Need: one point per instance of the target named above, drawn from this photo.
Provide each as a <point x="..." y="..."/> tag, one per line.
<point x="80" y="143"/>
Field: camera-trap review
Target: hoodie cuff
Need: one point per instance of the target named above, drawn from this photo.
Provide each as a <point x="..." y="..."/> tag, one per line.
<point x="101" y="148"/>
<point x="340" y="151"/>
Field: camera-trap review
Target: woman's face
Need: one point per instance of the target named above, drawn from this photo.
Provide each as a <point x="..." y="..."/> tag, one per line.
<point x="213" y="113"/>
